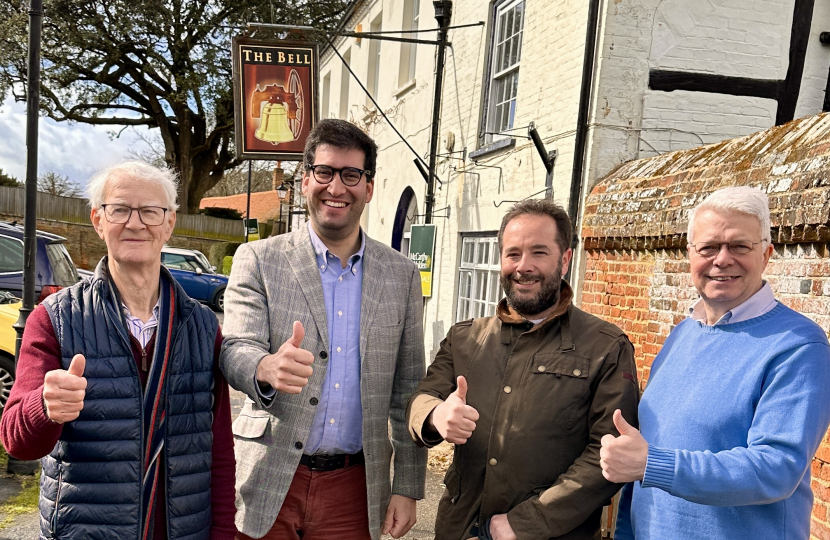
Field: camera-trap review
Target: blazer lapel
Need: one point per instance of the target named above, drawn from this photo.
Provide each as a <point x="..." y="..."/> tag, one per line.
<point x="303" y="262"/>
<point x="373" y="264"/>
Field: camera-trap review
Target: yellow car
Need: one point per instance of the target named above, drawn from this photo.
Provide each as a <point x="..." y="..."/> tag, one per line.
<point x="8" y="316"/>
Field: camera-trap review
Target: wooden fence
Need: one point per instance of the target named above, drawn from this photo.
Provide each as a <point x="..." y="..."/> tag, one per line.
<point x="73" y="210"/>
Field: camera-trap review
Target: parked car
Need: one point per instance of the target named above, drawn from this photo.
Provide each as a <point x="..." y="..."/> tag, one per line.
<point x="196" y="276"/>
<point x="9" y="313"/>
<point x="54" y="268"/>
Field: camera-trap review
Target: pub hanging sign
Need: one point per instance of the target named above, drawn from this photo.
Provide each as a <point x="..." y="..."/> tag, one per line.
<point x="275" y="97"/>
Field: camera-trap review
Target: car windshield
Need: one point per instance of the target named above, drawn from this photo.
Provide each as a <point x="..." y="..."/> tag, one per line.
<point x="63" y="268"/>
<point x="200" y="257"/>
<point x="178" y="262"/>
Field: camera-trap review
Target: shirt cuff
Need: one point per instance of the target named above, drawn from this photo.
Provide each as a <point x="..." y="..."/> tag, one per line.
<point x="421" y="407"/>
<point x="659" y="469"/>
<point x="264" y="391"/>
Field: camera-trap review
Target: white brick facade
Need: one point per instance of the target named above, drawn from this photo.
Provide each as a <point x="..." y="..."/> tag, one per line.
<point x="739" y="38"/>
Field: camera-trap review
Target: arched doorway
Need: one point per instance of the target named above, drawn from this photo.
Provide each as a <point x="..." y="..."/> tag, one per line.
<point x="404" y="217"/>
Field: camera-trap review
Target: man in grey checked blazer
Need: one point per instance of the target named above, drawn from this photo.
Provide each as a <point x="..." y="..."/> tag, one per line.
<point x="280" y="303"/>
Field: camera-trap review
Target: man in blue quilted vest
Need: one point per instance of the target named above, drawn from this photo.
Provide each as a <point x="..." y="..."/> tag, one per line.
<point x="118" y="388"/>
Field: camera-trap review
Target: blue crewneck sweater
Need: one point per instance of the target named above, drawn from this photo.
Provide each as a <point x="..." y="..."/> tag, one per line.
<point x="733" y="415"/>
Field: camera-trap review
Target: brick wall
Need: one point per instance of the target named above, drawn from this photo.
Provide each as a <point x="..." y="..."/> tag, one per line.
<point x="637" y="272"/>
<point x="738" y="38"/>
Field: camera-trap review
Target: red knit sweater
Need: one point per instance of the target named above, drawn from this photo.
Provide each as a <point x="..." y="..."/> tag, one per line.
<point x="27" y="433"/>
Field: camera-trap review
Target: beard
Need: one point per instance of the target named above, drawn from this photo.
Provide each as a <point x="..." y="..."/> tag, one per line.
<point x="547" y="296"/>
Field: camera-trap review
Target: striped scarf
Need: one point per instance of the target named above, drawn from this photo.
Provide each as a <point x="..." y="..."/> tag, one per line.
<point x="155" y="399"/>
<point x="155" y="404"/>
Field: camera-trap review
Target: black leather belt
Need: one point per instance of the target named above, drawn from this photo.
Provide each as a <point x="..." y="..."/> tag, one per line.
<point x="331" y="462"/>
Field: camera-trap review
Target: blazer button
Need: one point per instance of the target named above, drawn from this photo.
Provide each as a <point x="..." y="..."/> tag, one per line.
<point x="298" y="445"/>
<point x="324" y="355"/>
<point x="313" y="401"/>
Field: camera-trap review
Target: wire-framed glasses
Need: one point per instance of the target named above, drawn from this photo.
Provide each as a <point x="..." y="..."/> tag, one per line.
<point x="711" y="249"/>
<point x="350" y="176"/>
<point x="121" y="213"/>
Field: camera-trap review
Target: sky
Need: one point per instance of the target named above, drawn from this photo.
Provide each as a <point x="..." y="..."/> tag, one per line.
<point x="74" y="150"/>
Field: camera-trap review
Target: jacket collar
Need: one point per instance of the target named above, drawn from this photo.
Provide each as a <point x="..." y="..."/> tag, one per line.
<point x="509" y="315"/>
<point x="303" y="260"/>
<point x="375" y="267"/>
<point x="101" y="277"/>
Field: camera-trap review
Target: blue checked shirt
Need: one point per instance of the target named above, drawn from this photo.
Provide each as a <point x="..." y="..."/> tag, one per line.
<point x="338" y="424"/>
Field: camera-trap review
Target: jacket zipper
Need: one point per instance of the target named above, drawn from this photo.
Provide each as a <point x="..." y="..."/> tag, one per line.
<point x="166" y="479"/>
<point x="53" y="526"/>
<point x="136" y="380"/>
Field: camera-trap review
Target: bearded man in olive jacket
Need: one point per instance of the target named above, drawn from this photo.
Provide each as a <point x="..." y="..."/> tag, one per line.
<point x="526" y="396"/>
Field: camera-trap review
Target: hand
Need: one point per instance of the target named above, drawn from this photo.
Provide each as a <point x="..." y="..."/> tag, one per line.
<point x="500" y="528"/>
<point x="400" y="516"/>
<point x="289" y="368"/>
<point x="64" y="391"/>
<point x="454" y="420"/>
<point x="623" y="458"/>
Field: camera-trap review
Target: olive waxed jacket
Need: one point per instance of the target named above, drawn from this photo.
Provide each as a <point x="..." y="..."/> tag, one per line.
<point x="545" y="395"/>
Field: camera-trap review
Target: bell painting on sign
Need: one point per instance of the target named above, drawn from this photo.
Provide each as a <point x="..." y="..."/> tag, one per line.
<point x="275" y="92"/>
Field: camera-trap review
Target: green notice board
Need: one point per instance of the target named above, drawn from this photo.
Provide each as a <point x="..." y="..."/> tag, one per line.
<point x="253" y="228"/>
<point x="421" y="252"/>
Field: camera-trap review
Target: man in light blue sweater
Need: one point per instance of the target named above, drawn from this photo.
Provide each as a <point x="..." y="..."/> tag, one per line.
<point x="737" y="402"/>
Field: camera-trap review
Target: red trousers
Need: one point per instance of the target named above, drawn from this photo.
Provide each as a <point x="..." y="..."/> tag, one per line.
<point x="323" y="506"/>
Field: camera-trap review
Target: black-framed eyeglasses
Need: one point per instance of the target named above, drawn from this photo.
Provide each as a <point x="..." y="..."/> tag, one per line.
<point x="350" y="176"/>
<point x="711" y="249"/>
<point x="121" y="213"/>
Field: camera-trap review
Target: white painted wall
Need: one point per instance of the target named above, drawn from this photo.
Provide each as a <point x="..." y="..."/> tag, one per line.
<point x="817" y="64"/>
<point x="748" y="38"/>
<point x="680" y="120"/>
<point x="742" y="38"/>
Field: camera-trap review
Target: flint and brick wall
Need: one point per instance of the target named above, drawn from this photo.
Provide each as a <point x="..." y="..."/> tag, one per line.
<point x="634" y="235"/>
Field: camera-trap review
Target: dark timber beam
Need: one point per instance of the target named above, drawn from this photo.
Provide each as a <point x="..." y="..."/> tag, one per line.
<point x="799" y="37"/>
<point x="826" y="106"/>
<point x="669" y="81"/>
<point x="785" y="92"/>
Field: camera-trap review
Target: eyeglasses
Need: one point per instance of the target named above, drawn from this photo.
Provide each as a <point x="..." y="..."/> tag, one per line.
<point x="711" y="249"/>
<point x="350" y="176"/>
<point x="120" y="213"/>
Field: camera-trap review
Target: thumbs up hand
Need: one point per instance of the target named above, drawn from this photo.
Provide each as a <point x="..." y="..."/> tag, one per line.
<point x="289" y="369"/>
<point x="623" y="458"/>
<point x="64" y="391"/>
<point x="454" y="419"/>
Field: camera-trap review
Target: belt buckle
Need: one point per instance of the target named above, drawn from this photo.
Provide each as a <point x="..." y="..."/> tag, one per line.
<point x="325" y="462"/>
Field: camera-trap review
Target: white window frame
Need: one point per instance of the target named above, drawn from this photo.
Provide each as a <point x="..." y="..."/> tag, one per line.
<point x="479" y="287"/>
<point x="326" y="96"/>
<point x="374" y="60"/>
<point x="345" y="80"/>
<point x="503" y="80"/>
<point x="409" y="51"/>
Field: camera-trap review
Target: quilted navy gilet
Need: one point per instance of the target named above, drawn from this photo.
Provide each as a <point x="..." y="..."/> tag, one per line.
<point x="90" y="487"/>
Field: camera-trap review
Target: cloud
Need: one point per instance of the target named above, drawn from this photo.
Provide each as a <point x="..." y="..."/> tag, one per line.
<point x="74" y="150"/>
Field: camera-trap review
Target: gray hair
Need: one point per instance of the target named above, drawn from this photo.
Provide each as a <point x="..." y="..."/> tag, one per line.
<point x="742" y="199"/>
<point x="138" y="170"/>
